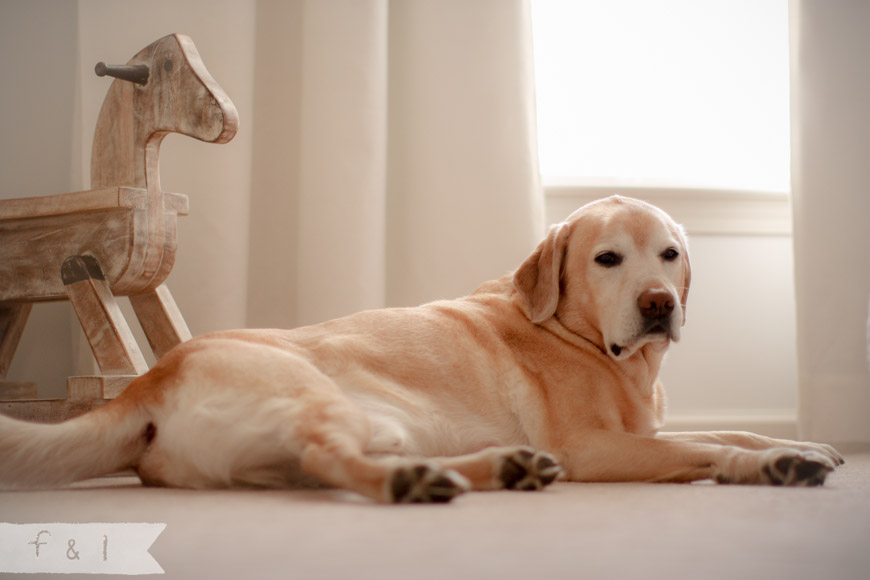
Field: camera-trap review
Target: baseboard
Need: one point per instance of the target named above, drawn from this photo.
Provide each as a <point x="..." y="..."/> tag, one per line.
<point x="780" y="426"/>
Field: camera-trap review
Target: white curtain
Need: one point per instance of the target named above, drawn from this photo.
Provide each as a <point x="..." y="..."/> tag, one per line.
<point x="399" y="137"/>
<point x="831" y="206"/>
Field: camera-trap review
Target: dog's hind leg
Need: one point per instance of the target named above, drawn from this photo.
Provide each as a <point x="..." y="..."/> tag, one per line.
<point x="258" y="427"/>
<point x="339" y="461"/>
<point x="333" y="437"/>
<point x="519" y="468"/>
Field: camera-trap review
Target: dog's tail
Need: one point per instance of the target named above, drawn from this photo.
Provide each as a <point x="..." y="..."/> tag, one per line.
<point x="108" y="439"/>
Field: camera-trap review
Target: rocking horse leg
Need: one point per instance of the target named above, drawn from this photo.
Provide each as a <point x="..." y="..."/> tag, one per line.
<point x="108" y="333"/>
<point x="12" y="320"/>
<point x="161" y="319"/>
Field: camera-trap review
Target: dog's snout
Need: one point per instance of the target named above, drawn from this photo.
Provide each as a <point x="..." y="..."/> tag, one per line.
<point x="656" y="304"/>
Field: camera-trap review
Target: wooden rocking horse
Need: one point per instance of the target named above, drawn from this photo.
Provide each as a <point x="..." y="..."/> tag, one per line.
<point x="117" y="239"/>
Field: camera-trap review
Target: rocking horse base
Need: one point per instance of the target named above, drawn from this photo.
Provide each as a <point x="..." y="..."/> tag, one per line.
<point x="84" y="393"/>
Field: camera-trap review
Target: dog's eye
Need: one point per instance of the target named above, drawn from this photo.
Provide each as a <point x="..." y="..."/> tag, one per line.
<point x="670" y="255"/>
<point x="608" y="259"/>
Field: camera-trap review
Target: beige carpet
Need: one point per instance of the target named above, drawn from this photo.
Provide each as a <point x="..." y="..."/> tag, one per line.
<point x="590" y="531"/>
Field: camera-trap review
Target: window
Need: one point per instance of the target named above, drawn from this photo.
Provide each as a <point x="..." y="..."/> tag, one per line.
<point x="664" y="93"/>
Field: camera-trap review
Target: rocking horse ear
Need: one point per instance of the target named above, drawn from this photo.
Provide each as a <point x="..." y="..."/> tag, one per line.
<point x="537" y="280"/>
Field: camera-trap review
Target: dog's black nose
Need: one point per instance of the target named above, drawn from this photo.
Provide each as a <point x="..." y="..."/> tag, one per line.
<point x="656" y="304"/>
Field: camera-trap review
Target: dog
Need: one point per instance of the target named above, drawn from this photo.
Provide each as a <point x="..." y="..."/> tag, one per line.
<point x="548" y="372"/>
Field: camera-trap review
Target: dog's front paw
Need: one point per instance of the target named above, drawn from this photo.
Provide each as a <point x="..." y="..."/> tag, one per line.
<point x="528" y="470"/>
<point x="805" y="469"/>
<point x="826" y="450"/>
<point x="780" y="466"/>
<point x="425" y="483"/>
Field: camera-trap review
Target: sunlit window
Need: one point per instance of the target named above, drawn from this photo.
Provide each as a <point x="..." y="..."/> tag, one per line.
<point x="688" y="93"/>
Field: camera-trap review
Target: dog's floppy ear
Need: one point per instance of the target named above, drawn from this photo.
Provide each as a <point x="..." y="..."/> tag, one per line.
<point x="537" y="279"/>
<point x="687" y="275"/>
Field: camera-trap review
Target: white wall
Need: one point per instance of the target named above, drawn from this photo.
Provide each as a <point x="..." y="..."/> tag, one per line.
<point x="38" y="41"/>
<point x="737" y="354"/>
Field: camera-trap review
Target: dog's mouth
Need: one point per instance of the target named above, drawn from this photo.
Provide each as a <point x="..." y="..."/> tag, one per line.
<point x="657" y="328"/>
<point x="652" y="331"/>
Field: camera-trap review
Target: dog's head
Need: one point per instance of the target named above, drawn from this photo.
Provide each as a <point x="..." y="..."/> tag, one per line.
<point x="616" y="272"/>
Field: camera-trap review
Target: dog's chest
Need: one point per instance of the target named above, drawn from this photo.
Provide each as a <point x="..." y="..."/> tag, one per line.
<point x="633" y="410"/>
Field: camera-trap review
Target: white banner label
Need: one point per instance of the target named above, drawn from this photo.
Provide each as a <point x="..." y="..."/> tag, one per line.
<point x="79" y="548"/>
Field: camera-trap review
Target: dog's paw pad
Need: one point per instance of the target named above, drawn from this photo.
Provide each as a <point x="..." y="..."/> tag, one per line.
<point x="804" y="469"/>
<point x="425" y="483"/>
<point x="528" y="470"/>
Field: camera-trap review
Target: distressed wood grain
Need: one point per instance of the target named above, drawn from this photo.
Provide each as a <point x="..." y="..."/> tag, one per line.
<point x="161" y="319"/>
<point x="98" y="312"/>
<point x="17" y="390"/>
<point x="13" y="317"/>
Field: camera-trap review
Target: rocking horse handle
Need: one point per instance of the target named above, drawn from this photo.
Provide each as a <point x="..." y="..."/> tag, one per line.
<point x="135" y="73"/>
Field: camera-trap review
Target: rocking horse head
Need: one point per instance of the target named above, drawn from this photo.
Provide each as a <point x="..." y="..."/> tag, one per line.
<point x="164" y="89"/>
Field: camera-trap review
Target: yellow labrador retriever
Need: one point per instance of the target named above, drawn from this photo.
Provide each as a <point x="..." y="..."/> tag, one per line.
<point x="550" y="370"/>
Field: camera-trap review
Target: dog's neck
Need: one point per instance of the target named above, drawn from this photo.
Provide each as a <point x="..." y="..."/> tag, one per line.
<point x="650" y="356"/>
<point x="641" y="368"/>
